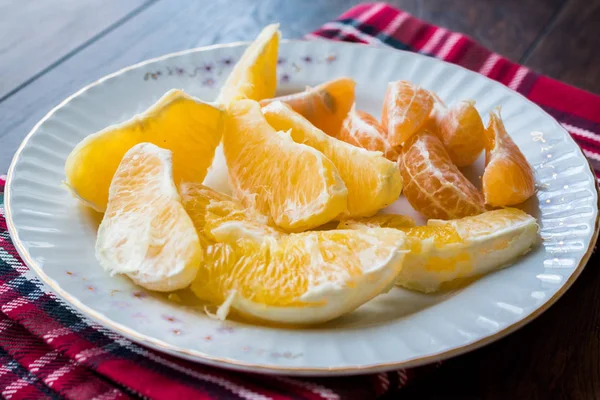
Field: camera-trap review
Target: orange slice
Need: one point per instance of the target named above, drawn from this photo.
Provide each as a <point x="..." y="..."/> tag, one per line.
<point x="325" y="106"/>
<point x="406" y="109"/>
<point x="254" y="75"/>
<point x="293" y="184"/>
<point x="189" y="127"/>
<point x="448" y="251"/>
<point x="299" y="278"/>
<point x="508" y="177"/>
<point x="433" y="184"/>
<point x="361" y="129"/>
<point x="146" y="233"/>
<point x="373" y="182"/>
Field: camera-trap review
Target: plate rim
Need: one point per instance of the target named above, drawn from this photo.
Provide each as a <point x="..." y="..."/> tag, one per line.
<point x="201" y="357"/>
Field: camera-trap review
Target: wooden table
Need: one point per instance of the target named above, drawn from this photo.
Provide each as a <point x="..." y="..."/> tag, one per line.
<point x="48" y="50"/>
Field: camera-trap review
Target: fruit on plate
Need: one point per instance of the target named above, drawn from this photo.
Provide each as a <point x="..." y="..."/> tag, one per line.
<point x="406" y="109"/>
<point x="508" y="178"/>
<point x="373" y="182"/>
<point x="446" y="251"/>
<point x="299" y="278"/>
<point x="146" y="233"/>
<point x="382" y="221"/>
<point x="462" y="133"/>
<point x="433" y="185"/>
<point x="189" y="127"/>
<point x="325" y="105"/>
<point x="361" y="129"/>
<point x="208" y="208"/>
<point x="254" y="75"/>
<point x="293" y="184"/>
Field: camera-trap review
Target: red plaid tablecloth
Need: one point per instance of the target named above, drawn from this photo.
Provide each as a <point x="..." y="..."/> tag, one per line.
<point x="49" y="350"/>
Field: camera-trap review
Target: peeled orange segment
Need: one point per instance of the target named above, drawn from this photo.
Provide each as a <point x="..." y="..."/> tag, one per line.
<point x="146" y="233"/>
<point x="373" y="182"/>
<point x="299" y="278"/>
<point x="188" y="127"/>
<point x="446" y="251"/>
<point x="325" y="106"/>
<point x="433" y="185"/>
<point x="462" y="133"/>
<point x="254" y="75"/>
<point x="209" y="209"/>
<point x="293" y="184"/>
<point x="361" y="129"/>
<point x="508" y="178"/>
<point x="438" y="111"/>
<point x="406" y="109"/>
<point x="378" y="221"/>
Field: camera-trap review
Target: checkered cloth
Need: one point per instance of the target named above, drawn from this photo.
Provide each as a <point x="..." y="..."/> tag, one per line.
<point x="49" y="350"/>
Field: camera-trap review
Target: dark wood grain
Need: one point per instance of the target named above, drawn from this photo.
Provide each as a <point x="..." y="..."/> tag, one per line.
<point x="35" y="34"/>
<point x="570" y="51"/>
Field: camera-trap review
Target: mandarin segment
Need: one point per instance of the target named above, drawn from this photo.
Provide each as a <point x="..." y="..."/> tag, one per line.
<point x="325" y="105"/>
<point x="373" y="182"/>
<point x="293" y="184"/>
<point x="433" y="185"/>
<point x="406" y="109"/>
<point x="361" y="129"/>
<point x="462" y="133"/>
<point x="508" y="177"/>
<point x="438" y="111"/>
<point x="297" y="278"/>
<point x="189" y="127"/>
<point x="146" y="232"/>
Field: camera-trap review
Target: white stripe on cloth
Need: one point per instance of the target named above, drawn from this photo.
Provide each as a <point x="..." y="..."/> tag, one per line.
<point x="16" y="303"/>
<point x="223" y="382"/>
<point x="384" y="380"/>
<point x="364" y="17"/>
<point x="433" y="40"/>
<point x="344" y="29"/>
<point x="18" y="264"/>
<point x="7" y="323"/>
<point x="489" y="63"/>
<point x="56" y="333"/>
<point x="448" y="45"/>
<point x="395" y="24"/>
<point x="518" y="78"/>
<point x="9" y="259"/>
<point x="581" y="132"/>
<point x="62" y="371"/>
<point x="402" y="378"/>
<point x="322" y="391"/>
<point x="14" y="387"/>
<point x="8" y="367"/>
<point x="43" y="360"/>
<point x="109" y="395"/>
<point x="593" y="156"/>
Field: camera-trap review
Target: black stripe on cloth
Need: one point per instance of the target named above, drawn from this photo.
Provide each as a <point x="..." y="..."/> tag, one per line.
<point x="12" y="365"/>
<point x="374" y="32"/>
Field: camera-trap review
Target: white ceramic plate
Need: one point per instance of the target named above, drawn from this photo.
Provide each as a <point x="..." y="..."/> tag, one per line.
<point x="55" y="235"/>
